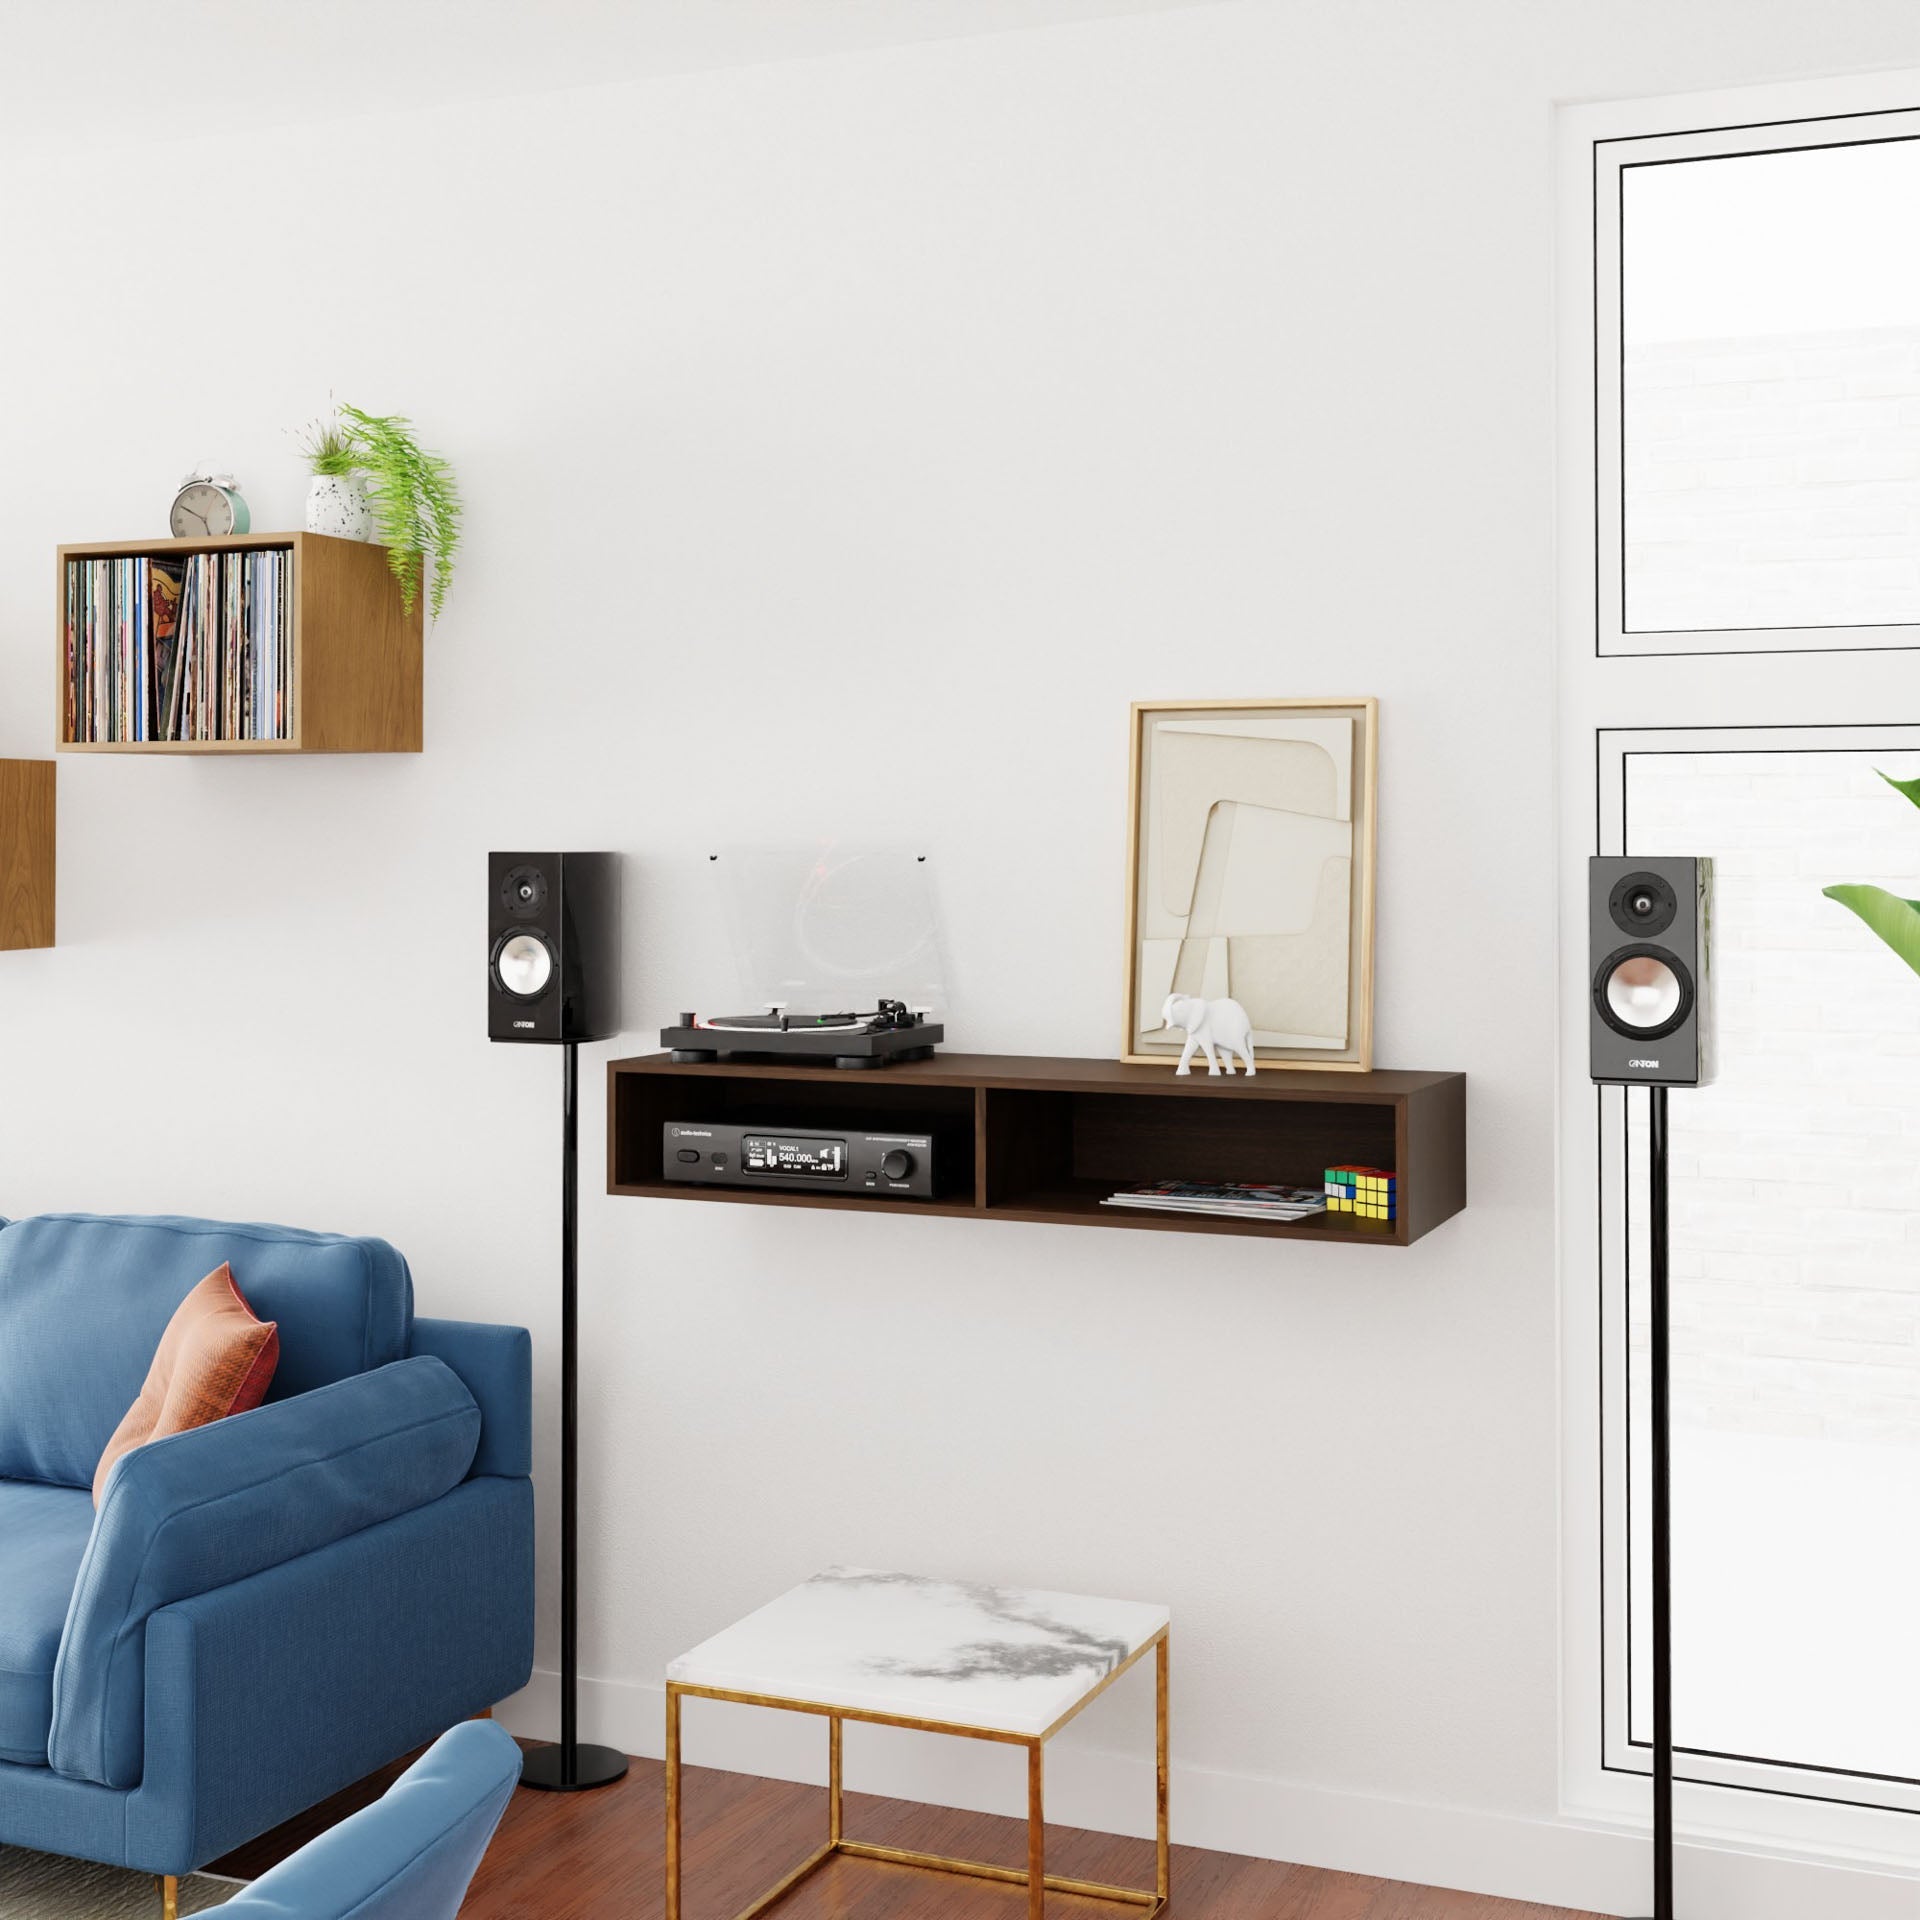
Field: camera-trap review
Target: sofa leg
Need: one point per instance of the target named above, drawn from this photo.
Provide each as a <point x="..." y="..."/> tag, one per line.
<point x="169" y="1897"/>
<point x="485" y="1713"/>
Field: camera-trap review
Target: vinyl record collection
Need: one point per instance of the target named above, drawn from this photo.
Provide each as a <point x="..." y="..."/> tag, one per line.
<point x="196" y="648"/>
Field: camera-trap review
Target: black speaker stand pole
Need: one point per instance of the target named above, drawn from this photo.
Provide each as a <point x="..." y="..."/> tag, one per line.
<point x="1659" y="1327"/>
<point x="570" y="1767"/>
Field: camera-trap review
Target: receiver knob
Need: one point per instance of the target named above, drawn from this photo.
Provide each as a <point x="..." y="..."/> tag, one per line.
<point x="896" y="1163"/>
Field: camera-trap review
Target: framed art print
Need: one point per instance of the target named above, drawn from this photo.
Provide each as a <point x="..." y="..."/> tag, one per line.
<point x="1252" y="838"/>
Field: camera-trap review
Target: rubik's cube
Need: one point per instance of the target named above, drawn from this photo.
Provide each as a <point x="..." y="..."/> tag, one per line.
<point x="1365" y="1192"/>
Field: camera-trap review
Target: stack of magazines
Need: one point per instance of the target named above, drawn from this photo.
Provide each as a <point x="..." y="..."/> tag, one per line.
<point x="1235" y="1199"/>
<point x="189" y="649"/>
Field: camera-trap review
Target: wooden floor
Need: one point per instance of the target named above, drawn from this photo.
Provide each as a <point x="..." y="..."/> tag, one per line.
<point x="598" y="1856"/>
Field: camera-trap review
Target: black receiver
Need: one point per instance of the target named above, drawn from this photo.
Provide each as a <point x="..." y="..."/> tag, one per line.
<point x="880" y="1166"/>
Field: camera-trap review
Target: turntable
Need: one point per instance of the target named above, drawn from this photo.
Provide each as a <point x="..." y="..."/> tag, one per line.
<point x="825" y="927"/>
<point x="893" y="1031"/>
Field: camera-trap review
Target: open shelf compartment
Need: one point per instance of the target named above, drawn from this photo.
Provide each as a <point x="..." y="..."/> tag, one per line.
<point x="1060" y="1154"/>
<point x="357" y="655"/>
<point x="641" y="1106"/>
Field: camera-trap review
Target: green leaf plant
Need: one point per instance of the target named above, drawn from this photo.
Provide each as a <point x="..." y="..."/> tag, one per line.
<point x="415" y="499"/>
<point x="1896" y="921"/>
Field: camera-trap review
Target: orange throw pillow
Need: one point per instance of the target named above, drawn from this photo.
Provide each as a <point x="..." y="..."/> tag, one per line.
<point x="215" y="1358"/>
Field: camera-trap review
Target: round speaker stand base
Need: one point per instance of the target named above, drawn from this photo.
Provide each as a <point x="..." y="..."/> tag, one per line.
<point x="592" y="1767"/>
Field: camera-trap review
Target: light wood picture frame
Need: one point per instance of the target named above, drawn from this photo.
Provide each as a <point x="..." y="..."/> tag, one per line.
<point x="1252" y="839"/>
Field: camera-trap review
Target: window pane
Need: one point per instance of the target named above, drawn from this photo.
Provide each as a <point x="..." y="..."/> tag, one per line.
<point x="1796" y="1273"/>
<point x="1770" y="411"/>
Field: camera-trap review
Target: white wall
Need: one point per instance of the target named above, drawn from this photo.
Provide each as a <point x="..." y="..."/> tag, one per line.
<point x="1206" y="353"/>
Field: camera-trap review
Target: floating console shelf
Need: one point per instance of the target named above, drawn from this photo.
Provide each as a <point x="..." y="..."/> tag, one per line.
<point x="1023" y="1137"/>
<point x="26" y="854"/>
<point x="357" y="660"/>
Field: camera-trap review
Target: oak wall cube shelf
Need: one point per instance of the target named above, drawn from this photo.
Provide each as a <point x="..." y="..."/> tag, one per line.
<point x="357" y="656"/>
<point x="26" y="853"/>
<point x="1022" y="1137"/>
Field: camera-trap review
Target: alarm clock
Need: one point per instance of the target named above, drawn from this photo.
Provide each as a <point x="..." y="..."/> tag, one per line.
<point x="208" y="505"/>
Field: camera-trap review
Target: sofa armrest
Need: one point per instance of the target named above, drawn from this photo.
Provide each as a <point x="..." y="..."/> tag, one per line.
<point x="266" y="1696"/>
<point x="495" y="1365"/>
<point x="199" y="1510"/>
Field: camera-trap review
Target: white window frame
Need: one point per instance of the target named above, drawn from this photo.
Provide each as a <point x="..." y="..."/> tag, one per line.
<point x="1612" y="156"/>
<point x="1612" y="685"/>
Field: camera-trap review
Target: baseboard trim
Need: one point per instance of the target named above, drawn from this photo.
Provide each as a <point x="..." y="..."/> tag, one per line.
<point x="1592" y="1866"/>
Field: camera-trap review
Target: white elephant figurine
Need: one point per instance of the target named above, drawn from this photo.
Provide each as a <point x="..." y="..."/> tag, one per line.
<point x="1214" y="1026"/>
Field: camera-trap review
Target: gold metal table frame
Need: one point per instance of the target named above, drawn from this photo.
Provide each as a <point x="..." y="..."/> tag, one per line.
<point x="1037" y="1880"/>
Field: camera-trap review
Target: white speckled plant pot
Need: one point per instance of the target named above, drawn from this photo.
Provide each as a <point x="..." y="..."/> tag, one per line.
<point x="337" y="504"/>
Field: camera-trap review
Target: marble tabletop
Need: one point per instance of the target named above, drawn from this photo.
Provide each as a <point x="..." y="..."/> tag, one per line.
<point x="956" y="1653"/>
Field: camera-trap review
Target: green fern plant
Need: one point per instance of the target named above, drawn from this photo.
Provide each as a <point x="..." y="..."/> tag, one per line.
<point x="415" y="500"/>
<point x="1896" y="921"/>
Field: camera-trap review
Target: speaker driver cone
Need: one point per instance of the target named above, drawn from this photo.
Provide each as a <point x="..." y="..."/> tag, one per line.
<point x="523" y="965"/>
<point x="1642" y="992"/>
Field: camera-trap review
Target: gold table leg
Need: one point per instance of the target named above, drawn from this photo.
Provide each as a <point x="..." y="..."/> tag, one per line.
<point x="673" y="1802"/>
<point x="1162" y="1851"/>
<point x="1036" y="1835"/>
<point x="1034" y="1876"/>
<point x="834" y="1823"/>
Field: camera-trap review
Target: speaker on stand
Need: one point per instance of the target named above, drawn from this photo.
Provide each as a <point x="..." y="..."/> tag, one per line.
<point x="553" y="979"/>
<point x="1648" y="956"/>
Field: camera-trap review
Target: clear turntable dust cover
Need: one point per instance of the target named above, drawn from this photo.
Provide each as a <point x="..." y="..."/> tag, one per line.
<point x="834" y="928"/>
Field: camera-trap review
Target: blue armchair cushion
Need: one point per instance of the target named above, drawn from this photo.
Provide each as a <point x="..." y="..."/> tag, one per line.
<point x="84" y="1300"/>
<point x="205" y="1508"/>
<point x="43" y="1533"/>
<point x="411" y="1854"/>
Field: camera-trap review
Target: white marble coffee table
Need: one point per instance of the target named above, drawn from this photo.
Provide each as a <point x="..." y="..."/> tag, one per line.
<point x="902" y="1650"/>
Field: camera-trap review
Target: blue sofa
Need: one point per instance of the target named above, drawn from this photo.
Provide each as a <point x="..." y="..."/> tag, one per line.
<point x="266" y="1609"/>
<point x="409" y="1856"/>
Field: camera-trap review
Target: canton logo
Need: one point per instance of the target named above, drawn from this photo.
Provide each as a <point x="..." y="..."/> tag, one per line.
<point x="526" y="1026"/>
<point x="1655" y="1064"/>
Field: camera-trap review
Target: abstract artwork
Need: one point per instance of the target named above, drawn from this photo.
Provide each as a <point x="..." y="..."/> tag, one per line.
<point x="1252" y="876"/>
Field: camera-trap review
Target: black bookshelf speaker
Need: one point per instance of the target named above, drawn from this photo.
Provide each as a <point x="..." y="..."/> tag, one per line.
<point x="552" y="946"/>
<point x="1648" y="962"/>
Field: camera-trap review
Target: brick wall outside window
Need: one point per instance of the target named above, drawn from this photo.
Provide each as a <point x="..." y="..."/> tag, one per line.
<point x="1796" y="1176"/>
<point x="1773" y="481"/>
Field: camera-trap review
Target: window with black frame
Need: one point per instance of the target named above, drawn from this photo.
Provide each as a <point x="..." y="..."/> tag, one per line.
<point x="1755" y="652"/>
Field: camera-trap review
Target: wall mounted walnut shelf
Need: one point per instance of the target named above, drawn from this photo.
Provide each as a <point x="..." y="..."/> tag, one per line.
<point x="26" y="854"/>
<point x="356" y="659"/>
<point x="1019" y="1137"/>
